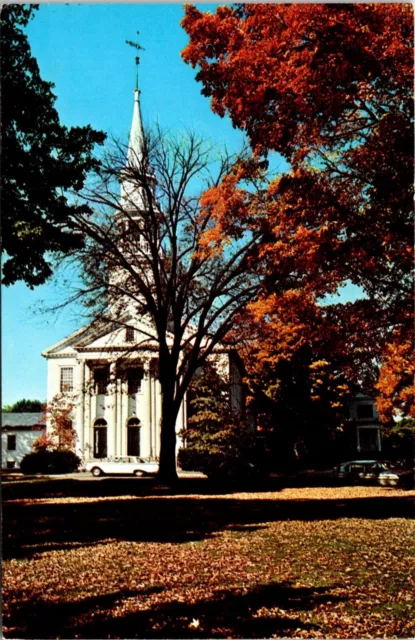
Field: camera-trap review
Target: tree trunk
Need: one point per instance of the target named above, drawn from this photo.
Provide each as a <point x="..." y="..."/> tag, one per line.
<point x="167" y="467"/>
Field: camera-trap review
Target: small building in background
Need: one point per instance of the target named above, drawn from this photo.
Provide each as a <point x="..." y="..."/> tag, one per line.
<point x="363" y="414"/>
<point x="18" y="433"/>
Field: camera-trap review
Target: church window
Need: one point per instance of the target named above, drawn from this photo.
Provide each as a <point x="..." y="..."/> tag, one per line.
<point x="129" y="334"/>
<point x="66" y="379"/>
<point x="135" y="377"/>
<point x="101" y="375"/>
<point x="11" y="443"/>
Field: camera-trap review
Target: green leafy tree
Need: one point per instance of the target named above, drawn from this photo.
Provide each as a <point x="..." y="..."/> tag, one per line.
<point x="398" y="440"/>
<point x="216" y="440"/>
<point x="42" y="160"/>
<point x="208" y="407"/>
<point x="24" y="406"/>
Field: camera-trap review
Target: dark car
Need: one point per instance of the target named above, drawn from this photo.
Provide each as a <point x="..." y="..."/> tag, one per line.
<point x="373" y="471"/>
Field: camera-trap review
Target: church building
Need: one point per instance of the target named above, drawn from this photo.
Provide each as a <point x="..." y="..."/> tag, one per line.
<point x="106" y="376"/>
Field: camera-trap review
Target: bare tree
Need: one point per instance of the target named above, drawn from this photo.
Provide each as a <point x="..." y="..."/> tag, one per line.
<point x="149" y="251"/>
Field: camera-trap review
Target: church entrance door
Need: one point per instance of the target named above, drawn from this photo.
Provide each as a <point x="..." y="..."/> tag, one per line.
<point x="133" y="437"/>
<point x="100" y="442"/>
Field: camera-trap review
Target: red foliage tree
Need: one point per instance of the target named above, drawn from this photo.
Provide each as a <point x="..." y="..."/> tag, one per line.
<point x="61" y="435"/>
<point x="331" y="89"/>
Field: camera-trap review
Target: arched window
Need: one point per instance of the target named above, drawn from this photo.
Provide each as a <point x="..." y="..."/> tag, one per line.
<point x="133" y="437"/>
<point x="100" y="438"/>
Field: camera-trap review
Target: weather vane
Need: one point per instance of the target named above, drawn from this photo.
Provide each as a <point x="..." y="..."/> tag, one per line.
<point x="136" y="45"/>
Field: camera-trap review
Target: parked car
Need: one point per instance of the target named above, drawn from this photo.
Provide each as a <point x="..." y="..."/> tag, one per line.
<point x="376" y="471"/>
<point x="121" y="466"/>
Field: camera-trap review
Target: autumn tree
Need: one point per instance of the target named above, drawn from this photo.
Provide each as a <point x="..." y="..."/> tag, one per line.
<point x="60" y="436"/>
<point x="396" y="381"/>
<point x="41" y="160"/>
<point x="59" y="417"/>
<point x="173" y="265"/>
<point x="301" y="372"/>
<point x="329" y="87"/>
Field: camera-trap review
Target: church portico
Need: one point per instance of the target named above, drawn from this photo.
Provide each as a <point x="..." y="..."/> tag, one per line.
<point x="117" y="402"/>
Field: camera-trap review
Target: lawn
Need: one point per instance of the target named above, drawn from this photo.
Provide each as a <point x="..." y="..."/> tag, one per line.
<point x="127" y="559"/>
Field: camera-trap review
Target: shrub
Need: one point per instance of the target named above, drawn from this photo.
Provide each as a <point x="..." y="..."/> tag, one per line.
<point x="224" y="465"/>
<point x="50" y="462"/>
<point x="192" y="459"/>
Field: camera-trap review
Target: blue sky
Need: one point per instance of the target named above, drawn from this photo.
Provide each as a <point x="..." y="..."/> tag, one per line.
<point x="81" y="48"/>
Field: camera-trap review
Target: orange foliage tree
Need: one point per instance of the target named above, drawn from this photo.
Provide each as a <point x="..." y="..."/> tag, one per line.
<point x="329" y="87"/>
<point x="301" y="372"/>
<point x="61" y="435"/>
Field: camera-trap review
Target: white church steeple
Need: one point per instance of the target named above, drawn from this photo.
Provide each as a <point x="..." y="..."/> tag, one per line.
<point x="136" y="173"/>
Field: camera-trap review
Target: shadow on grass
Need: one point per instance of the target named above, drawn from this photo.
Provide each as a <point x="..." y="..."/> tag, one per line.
<point x="157" y="515"/>
<point x="229" y="614"/>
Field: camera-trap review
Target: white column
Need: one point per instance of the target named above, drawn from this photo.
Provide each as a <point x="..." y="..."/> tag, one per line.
<point x="150" y="409"/>
<point x="112" y="416"/>
<point x="158" y="415"/>
<point x="118" y="449"/>
<point x="181" y="423"/>
<point x="154" y="420"/>
<point x="80" y="420"/>
<point x="88" y="442"/>
<point x="124" y="417"/>
<point x="144" y="412"/>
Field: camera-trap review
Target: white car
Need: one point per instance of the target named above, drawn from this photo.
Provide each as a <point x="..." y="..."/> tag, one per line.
<point x="121" y="466"/>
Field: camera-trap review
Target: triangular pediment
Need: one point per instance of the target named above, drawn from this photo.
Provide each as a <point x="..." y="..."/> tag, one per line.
<point x="104" y="336"/>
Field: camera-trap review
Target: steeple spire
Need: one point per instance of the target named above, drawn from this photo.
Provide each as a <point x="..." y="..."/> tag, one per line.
<point x="136" y="142"/>
<point x="133" y="194"/>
